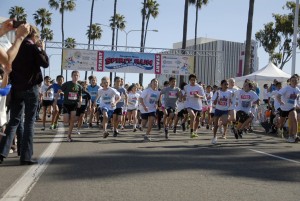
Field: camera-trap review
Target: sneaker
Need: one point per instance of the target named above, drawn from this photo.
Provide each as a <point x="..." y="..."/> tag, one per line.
<point x="105" y="134"/>
<point x="183" y="126"/>
<point x="193" y="135"/>
<point x="166" y="133"/>
<point x="224" y="137"/>
<point x="134" y="130"/>
<point x="122" y="127"/>
<point x="43" y="128"/>
<point x="141" y="129"/>
<point x="51" y="127"/>
<point x="147" y="139"/>
<point x="116" y="133"/>
<point x="69" y="139"/>
<point x="291" y="139"/>
<point x="235" y="133"/>
<point x="90" y="125"/>
<point x="55" y="126"/>
<point x="202" y="123"/>
<point x="214" y="140"/>
<point x="280" y="132"/>
<point x="221" y="129"/>
<point x="174" y="130"/>
<point x="207" y="126"/>
<point x="240" y="133"/>
<point x="77" y="131"/>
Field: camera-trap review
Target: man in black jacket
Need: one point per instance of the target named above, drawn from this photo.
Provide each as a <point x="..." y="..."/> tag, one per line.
<point x="25" y="77"/>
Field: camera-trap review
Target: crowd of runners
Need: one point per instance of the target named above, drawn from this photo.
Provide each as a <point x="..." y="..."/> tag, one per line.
<point x="222" y="109"/>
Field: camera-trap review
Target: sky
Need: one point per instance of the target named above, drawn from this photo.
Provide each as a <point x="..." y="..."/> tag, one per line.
<point x="220" y="19"/>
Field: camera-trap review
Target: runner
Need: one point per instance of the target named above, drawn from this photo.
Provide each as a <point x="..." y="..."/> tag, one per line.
<point x="133" y="103"/>
<point x="72" y="100"/>
<point x="222" y="100"/>
<point x="182" y="112"/>
<point x="109" y="98"/>
<point x="287" y="97"/>
<point x="194" y="93"/>
<point x="171" y="95"/>
<point x="85" y="105"/>
<point x="58" y="101"/>
<point x="47" y="98"/>
<point x="93" y="89"/>
<point x="148" y="103"/>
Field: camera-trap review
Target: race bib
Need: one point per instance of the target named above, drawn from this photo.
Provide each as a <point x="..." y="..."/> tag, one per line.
<point x="72" y="96"/>
<point x="83" y="102"/>
<point x="192" y="93"/>
<point x="172" y="94"/>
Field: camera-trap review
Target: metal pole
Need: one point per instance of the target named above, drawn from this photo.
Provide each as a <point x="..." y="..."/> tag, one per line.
<point x="295" y="37"/>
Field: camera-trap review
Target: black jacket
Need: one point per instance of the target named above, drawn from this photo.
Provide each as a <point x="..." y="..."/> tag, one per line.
<point x="26" y="70"/>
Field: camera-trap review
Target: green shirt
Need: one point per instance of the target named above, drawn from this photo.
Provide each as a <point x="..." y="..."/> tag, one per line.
<point x="72" y="92"/>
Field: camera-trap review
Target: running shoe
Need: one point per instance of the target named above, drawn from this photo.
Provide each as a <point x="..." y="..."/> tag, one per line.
<point x="207" y="126"/>
<point x="280" y="132"/>
<point x="69" y="139"/>
<point x="134" y="130"/>
<point x="235" y="133"/>
<point x="291" y="139"/>
<point x="166" y="133"/>
<point x="183" y="126"/>
<point x="194" y="135"/>
<point x="174" y="130"/>
<point x="55" y="126"/>
<point x="224" y="137"/>
<point x="147" y="139"/>
<point x="116" y="133"/>
<point x="77" y="131"/>
<point x="51" y="127"/>
<point x="240" y="133"/>
<point x="214" y="140"/>
<point x="43" y="128"/>
<point x="105" y="134"/>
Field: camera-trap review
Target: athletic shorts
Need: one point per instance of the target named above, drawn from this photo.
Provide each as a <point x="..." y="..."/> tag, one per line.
<point x="109" y="112"/>
<point x="171" y="110"/>
<point x="196" y="111"/>
<point x="285" y="113"/>
<point x="146" y="115"/>
<point x="242" y="116"/>
<point x="118" y="111"/>
<point x="47" y="103"/>
<point x="219" y="113"/>
<point x="68" y="108"/>
<point x="81" y="110"/>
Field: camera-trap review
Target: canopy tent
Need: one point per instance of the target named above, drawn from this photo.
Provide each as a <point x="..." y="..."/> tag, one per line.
<point x="266" y="75"/>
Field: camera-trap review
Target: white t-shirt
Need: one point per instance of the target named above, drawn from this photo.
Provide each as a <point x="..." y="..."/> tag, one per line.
<point x="245" y="100"/>
<point x="209" y="98"/>
<point x="274" y="95"/>
<point x="133" y="101"/>
<point x="191" y="100"/>
<point x="289" y="96"/>
<point x="224" y="100"/>
<point x="234" y="92"/>
<point x="107" y="97"/>
<point x="150" y="98"/>
<point x="47" y="95"/>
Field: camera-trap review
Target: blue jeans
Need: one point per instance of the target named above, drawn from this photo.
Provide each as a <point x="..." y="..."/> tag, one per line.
<point x="21" y="101"/>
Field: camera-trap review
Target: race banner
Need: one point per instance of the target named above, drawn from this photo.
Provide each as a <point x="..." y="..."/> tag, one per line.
<point x="177" y="64"/>
<point x="85" y="60"/>
<point x="128" y="62"/>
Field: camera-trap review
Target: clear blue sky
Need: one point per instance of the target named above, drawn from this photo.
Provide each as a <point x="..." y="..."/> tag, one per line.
<point x="220" y="19"/>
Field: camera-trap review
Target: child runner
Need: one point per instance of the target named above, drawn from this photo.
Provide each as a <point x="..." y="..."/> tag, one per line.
<point x="72" y="100"/>
<point x="58" y="101"/>
<point x="133" y="103"/>
<point x="48" y="98"/>
<point x="109" y="98"/>
<point x="194" y="93"/>
<point x="93" y="89"/>
<point x="85" y="105"/>
<point x="148" y="104"/>
<point x="222" y="100"/>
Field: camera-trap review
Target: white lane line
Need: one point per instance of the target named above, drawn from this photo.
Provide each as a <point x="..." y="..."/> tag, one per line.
<point x="274" y="156"/>
<point x="26" y="182"/>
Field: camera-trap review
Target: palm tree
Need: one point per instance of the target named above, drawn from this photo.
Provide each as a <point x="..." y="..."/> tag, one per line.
<point x="89" y="32"/>
<point x="142" y="37"/>
<point x="198" y="4"/>
<point x="184" y="33"/>
<point x="47" y="34"/>
<point x="119" y="23"/>
<point x="151" y="10"/>
<point x="70" y="43"/>
<point x="62" y="6"/>
<point x="95" y="33"/>
<point x="113" y="32"/>
<point x="18" y="13"/>
<point x="248" y="38"/>
<point x="42" y="17"/>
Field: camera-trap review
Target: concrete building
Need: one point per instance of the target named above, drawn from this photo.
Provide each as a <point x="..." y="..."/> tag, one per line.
<point x="217" y="60"/>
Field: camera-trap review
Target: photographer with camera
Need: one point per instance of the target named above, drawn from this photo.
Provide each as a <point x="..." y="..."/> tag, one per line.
<point x="25" y="77"/>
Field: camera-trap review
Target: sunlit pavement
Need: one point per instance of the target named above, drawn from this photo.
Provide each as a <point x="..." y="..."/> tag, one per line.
<point x="257" y="167"/>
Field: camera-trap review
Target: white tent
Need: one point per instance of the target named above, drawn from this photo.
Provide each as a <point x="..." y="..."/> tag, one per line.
<point x="266" y="75"/>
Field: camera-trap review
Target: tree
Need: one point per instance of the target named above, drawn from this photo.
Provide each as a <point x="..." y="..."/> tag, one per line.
<point x="118" y="22"/>
<point x="47" y="34"/>
<point x="151" y="10"/>
<point x="141" y="77"/>
<point x="42" y="17"/>
<point x="95" y="33"/>
<point x="276" y="37"/>
<point x="198" y="4"/>
<point x="113" y="33"/>
<point x="18" y="13"/>
<point x="184" y="33"/>
<point x="70" y="43"/>
<point x="89" y="31"/>
<point x="247" y="62"/>
<point x="62" y="6"/>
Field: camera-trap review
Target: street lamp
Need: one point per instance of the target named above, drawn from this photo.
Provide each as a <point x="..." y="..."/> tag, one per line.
<point x="127" y="32"/>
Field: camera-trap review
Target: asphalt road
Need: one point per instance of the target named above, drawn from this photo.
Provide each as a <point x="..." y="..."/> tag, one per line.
<point x="258" y="167"/>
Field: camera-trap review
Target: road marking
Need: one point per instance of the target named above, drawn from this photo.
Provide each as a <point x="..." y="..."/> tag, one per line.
<point x="26" y="182"/>
<point x="274" y="156"/>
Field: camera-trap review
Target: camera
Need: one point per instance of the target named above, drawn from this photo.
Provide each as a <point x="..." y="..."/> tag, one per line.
<point x="16" y="24"/>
